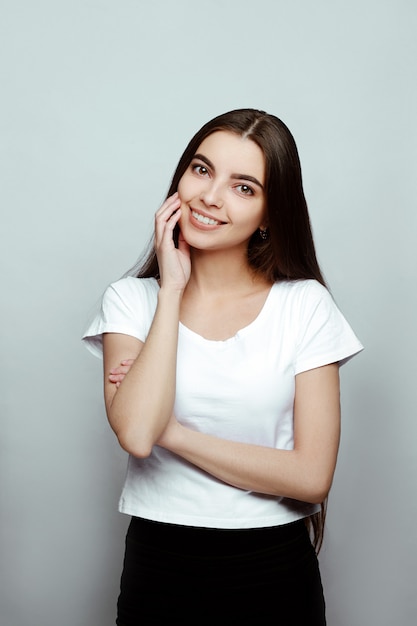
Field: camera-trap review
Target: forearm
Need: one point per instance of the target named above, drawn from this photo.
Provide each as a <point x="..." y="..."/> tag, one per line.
<point x="141" y="407"/>
<point x="289" y="473"/>
<point x="304" y="473"/>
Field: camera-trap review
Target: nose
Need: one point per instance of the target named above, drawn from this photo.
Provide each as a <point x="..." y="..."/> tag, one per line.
<point x="212" y="195"/>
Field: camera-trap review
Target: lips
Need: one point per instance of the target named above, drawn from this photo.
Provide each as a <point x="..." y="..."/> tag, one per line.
<point x="205" y="219"/>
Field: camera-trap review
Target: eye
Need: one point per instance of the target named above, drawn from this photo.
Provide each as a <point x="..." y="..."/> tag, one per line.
<point x="201" y="170"/>
<point x="245" y="190"/>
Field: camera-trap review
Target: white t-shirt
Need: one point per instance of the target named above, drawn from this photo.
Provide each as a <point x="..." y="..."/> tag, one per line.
<point x="241" y="389"/>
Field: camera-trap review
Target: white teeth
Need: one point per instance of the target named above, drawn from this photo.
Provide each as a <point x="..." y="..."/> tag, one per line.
<point x="203" y="219"/>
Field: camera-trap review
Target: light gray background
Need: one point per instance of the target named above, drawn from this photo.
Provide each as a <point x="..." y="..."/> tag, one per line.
<point x="99" y="98"/>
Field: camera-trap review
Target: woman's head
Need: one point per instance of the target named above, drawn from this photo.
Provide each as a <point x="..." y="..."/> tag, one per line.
<point x="288" y="250"/>
<point x="222" y="194"/>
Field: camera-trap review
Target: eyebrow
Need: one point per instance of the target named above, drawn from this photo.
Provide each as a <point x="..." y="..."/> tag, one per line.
<point x="236" y="176"/>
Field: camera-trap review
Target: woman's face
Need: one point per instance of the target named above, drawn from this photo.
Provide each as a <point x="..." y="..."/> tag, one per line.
<point x="222" y="193"/>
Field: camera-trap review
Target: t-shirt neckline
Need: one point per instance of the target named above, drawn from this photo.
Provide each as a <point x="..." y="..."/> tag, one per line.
<point x="239" y="334"/>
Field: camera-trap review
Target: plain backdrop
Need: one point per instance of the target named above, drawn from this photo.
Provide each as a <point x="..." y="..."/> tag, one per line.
<point x="98" y="99"/>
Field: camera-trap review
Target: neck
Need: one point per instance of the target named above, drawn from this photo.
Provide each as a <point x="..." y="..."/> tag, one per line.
<point x="222" y="271"/>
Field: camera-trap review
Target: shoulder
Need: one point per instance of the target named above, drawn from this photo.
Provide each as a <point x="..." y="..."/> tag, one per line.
<point x="323" y="335"/>
<point x="127" y="307"/>
<point x="304" y="303"/>
<point x="131" y="287"/>
<point x="301" y="293"/>
<point x="131" y="293"/>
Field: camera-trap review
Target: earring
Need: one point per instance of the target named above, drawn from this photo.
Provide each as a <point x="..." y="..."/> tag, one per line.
<point x="263" y="234"/>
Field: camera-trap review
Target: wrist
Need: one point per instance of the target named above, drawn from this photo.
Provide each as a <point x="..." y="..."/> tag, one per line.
<point x="172" y="294"/>
<point x="172" y="436"/>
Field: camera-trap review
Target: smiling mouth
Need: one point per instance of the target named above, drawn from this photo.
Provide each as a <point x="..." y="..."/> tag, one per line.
<point x="203" y="219"/>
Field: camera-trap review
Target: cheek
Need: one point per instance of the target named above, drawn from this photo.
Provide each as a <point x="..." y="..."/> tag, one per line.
<point x="184" y="186"/>
<point x="258" y="215"/>
<point x="179" y="188"/>
<point x="188" y="187"/>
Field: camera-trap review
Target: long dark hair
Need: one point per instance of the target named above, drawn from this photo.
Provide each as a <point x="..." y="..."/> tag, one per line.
<point x="288" y="252"/>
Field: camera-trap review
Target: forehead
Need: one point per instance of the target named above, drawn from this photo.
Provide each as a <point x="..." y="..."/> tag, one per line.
<point x="234" y="154"/>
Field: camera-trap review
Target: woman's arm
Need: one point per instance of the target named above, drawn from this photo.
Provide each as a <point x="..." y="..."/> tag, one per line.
<point x="304" y="473"/>
<point x="139" y="409"/>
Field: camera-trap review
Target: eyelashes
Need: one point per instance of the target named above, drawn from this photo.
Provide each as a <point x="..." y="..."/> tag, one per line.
<point x="245" y="189"/>
<point x="202" y="171"/>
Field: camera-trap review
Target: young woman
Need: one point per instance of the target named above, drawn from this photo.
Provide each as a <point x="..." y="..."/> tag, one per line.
<point x="221" y="381"/>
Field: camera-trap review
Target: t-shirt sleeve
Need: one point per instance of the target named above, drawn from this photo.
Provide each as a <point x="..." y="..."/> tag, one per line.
<point x="127" y="307"/>
<point x="325" y="336"/>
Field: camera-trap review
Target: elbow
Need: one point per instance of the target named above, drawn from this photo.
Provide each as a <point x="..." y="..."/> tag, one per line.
<point x="316" y="497"/>
<point x="131" y="438"/>
<point x="134" y="444"/>
<point x="317" y="492"/>
<point x="313" y="479"/>
<point x="316" y="489"/>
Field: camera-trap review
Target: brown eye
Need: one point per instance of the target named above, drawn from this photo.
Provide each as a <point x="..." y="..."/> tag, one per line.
<point x="201" y="170"/>
<point x="245" y="190"/>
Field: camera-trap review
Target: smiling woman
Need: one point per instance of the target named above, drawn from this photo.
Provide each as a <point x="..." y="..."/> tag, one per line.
<point x="217" y="199"/>
<point x="221" y="364"/>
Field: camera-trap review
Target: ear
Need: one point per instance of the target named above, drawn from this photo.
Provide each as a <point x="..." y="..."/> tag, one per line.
<point x="264" y="224"/>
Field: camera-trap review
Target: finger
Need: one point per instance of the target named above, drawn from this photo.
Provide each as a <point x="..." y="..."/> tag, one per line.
<point x="124" y="367"/>
<point x="172" y="220"/>
<point x="182" y="244"/>
<point x="116" y="378"/>
<point x="163" y="216"/>
<point x="164" y="229"/>
<point x="116" y="371"/>
<point x="169" y="205"/>
<point x="127" y="362"/>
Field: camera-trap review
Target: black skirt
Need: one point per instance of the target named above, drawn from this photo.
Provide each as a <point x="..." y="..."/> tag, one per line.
<point x="200" y="576"/>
